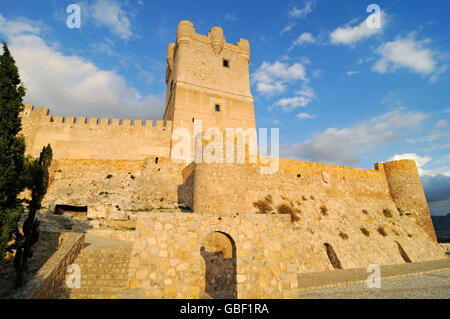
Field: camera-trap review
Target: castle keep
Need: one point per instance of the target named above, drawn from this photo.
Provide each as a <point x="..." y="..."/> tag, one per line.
<point x="197" y="232"/>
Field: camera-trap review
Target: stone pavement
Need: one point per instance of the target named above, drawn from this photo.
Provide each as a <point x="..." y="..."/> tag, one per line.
<point x="330" y="284"/>
<point x="435" y="285"/>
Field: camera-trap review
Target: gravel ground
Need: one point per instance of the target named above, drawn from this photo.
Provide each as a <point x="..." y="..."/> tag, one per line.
<point x="431" y="286"/>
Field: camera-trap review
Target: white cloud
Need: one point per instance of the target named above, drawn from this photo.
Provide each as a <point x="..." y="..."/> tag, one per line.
<point x="302" y="98"/>
<point x="70" y="85"/>
<point x="352" y="72"/>
<point x="302" y="116"/>
<point x="287" y="28"/>
<point x="349" y="35"/>
<point x="305" y="37"/>
<point x="405" y="53"/>
<point x="345" y="146"/>
<point x="271" y="78"/>
<point x="441" y="123"/>
<point x="293" y="102"/>
<point x="230" y="16"/>
<point x="303" y="12"/>
<point x="436" y="171"/>
<point x="21" y="26"/>
<point x="109" y="13"/>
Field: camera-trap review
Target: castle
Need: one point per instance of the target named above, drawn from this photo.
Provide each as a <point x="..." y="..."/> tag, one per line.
<point x="198" y="232"/>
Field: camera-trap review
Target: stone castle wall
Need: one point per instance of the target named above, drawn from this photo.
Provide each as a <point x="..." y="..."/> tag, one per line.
<point x="167" y="259"/>
<point x="407" y="192"/>
<point x="95" y="138"/>
<point x="394" y="186"/>
<point x="115" y="189"/>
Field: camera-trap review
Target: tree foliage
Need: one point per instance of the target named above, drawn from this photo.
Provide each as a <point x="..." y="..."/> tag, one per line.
<point x="35" y="179"/>
<point x="12" y="148"/>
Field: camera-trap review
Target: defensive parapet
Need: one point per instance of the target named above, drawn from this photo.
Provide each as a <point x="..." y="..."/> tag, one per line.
<point x="407" y="192"/>
<point x="94" y="138"/>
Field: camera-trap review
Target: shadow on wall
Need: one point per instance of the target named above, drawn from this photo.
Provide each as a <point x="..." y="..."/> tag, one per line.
<point x="219" y="252"/>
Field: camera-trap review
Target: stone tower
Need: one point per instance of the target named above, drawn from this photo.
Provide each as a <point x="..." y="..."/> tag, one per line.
<point x="208" y="80"/>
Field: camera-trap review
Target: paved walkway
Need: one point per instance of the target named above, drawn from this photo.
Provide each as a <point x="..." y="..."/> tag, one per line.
<point x="97" y="242"/>
<point x="342" y="278"/>
<point x="434" y="285"/>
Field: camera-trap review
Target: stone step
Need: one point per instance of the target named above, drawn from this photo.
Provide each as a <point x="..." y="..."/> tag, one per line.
<point x="103" y="283"/>
<point x="94" y="296"/>
<point x="99" y="258"/>
<point x="104" y="276"/>
<point x="106" y="264"/>
<point x="99" y="290"/>
<point x="103" y="271"/>
<point x="104" y="256"/>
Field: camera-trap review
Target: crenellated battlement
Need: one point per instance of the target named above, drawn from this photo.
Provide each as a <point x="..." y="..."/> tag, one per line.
<point x="94" y="138"/>
<point x="44" y="114"/>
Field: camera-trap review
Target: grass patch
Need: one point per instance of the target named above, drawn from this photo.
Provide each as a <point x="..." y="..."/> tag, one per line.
<point x="382" y="231"/>
<point x="324" y="210"/>
<point x="387" y="212"/>
<point x="264" y="206"/>
<point x="365" y="232"/>
<point x="344" y="236"/>
<point x="287" y="209"/>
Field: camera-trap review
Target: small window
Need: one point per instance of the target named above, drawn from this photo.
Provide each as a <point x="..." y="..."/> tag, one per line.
<point x="156" y="160"/>
<point x="217" y="108"/>
<point x="226" y="63"/>
<point x="193" y="120"/>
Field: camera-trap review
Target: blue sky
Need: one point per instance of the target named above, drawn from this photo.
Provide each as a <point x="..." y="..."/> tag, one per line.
<point x="339" y="91"/>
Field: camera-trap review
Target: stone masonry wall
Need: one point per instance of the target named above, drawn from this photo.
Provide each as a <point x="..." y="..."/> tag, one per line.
<point x="98" y="139"/>
<point x="166" y="260"/>
<point x="51" y="276"/>
<point x="407" y="192"/>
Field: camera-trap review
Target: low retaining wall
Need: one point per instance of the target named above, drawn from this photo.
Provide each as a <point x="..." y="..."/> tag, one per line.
<point x="52" y="274"/>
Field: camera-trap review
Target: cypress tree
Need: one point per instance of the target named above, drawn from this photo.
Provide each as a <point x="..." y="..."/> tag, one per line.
<point x="36" y="179"/>
<point x="12" y="148"/>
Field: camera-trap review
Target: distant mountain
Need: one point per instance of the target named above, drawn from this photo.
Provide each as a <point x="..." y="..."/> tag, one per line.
<point x="442" y="227"/>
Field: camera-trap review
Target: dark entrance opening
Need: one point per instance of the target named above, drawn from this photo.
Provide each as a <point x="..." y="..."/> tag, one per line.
<point x="403" y="253"/>
<point x="71" y="210"/>
<point x="333" y="257"/>
<point x="219" y="252"/>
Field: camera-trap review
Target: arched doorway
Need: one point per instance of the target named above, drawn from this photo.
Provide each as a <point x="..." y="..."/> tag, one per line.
<point x="219" y="252"/>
